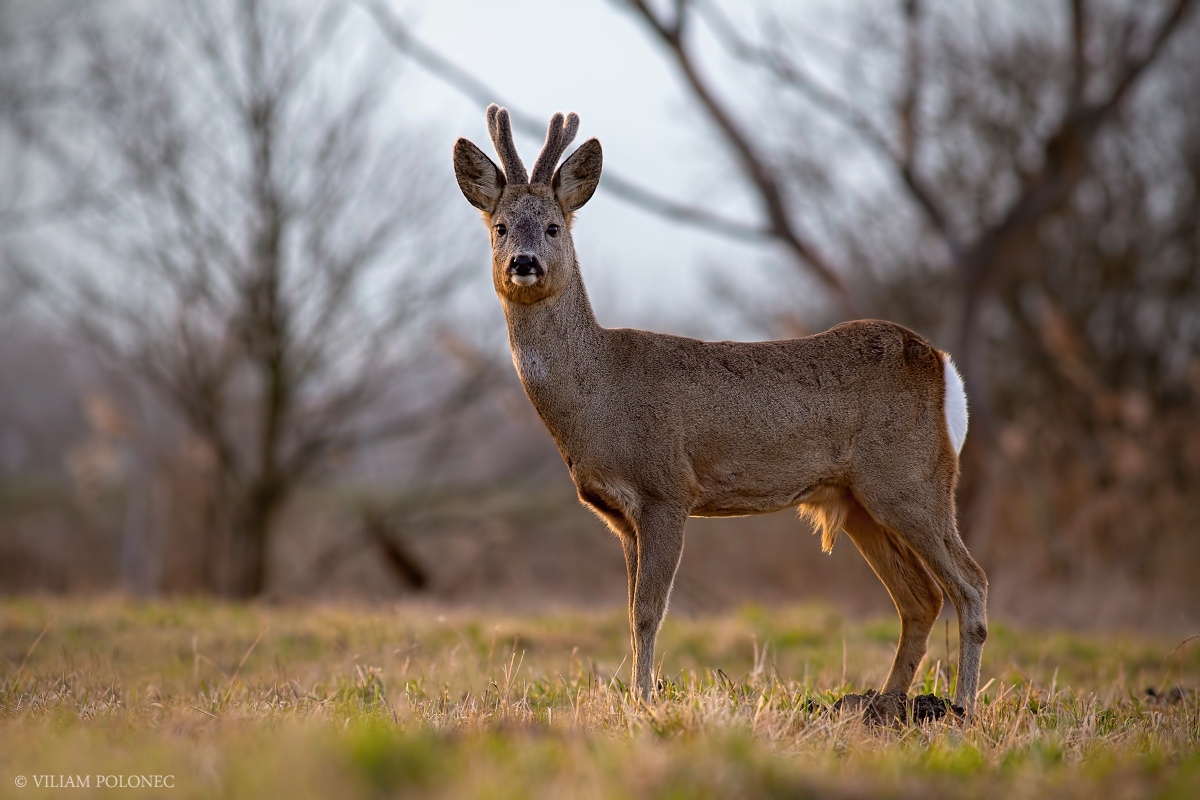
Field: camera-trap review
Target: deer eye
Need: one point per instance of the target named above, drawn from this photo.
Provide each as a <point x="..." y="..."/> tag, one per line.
<point x="501" y="229"/>
<point x="552" y="230"/>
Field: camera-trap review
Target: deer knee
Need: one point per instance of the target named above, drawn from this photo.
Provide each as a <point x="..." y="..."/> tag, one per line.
<point x="646" y="621"/>
<point x="974" y="626"/>
<point x="972" y="615"/>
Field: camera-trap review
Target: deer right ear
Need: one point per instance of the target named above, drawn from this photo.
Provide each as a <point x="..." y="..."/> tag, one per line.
<point x="578" y="177"/>
<point x="481" y="181"/>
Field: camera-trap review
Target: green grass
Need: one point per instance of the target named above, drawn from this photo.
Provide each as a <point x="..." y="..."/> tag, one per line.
<point x="324" y="701"/>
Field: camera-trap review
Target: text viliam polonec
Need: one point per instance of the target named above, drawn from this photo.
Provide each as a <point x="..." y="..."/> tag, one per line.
<point x="97" y="781"/>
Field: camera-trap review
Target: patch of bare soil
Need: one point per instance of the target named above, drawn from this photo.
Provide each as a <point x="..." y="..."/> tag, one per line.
<point x="895" y="708"/>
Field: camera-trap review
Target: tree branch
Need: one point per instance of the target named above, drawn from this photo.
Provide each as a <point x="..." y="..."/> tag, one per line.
<point x="910" y="96"/>
<point x="759" y="173"/>
<point x="1064" y="157"/>
<point x="1135" y="64"/>
<point x="1079" y="74"/>
<point x="900" y="159"/>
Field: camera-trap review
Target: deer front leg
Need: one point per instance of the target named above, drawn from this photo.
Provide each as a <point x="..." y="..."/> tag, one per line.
<point x="630" y="547"/>
<point x="659" y="546"/>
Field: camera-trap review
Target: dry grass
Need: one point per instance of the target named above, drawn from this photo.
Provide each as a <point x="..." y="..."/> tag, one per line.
<point x="330" y="701"/>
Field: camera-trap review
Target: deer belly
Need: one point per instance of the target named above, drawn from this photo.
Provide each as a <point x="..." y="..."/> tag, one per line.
<point x="740" y="498"/>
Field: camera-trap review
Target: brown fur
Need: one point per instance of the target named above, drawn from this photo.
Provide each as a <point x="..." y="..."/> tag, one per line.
<point x="848" y="424"/>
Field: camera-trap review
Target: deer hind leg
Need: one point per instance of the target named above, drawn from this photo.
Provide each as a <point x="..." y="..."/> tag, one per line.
<point x="926" y="525"/>
<point x="659" y="547"/>
<point x="972" y="624"/>
<point x="916" y="594"/>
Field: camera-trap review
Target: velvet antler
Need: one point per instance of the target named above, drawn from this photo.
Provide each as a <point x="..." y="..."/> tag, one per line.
<point x="500" y="128"/>
<point x="560" y="134"/>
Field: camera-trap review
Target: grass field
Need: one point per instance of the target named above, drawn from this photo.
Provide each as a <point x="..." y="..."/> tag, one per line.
<point x="340" y="701"/>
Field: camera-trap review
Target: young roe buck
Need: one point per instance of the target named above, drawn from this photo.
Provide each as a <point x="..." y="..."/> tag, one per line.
<point x="860" y="426"/>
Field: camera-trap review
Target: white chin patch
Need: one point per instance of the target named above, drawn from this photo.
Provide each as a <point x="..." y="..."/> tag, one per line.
<point x="524" y="280"/>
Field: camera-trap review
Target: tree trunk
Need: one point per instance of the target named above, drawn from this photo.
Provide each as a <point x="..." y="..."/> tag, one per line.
<point x="241" y="543"/>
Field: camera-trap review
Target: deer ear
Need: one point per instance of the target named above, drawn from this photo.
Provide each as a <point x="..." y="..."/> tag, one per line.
<point x="481" y="181"/>
<point x="578" y="176"/>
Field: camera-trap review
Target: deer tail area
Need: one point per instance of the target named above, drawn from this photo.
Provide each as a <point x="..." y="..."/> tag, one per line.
<point x="956" y="404"/>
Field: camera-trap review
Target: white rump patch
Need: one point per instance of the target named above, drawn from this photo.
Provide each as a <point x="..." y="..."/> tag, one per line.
<point x="524" y="280"/>
<point x="956" y="405"/>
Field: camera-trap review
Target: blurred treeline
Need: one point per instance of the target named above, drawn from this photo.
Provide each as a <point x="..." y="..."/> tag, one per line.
<point x="232" y="358"/>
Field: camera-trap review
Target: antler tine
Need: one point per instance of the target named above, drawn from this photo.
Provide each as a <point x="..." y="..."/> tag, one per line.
<point x="559" y="135"/>
<point x="500" y="128"/>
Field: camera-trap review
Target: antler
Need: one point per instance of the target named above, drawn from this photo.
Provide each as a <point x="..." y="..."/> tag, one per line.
<point x="558" y="136"/>
<point x="500" y="128"/>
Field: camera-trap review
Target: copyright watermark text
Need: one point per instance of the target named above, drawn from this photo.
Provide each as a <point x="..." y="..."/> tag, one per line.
<point x="95" y="781"/>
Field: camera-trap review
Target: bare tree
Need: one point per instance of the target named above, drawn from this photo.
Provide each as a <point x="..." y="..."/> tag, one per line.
<point x="30" y="52"/>
<point x="258" y="248"/>
<point x="1097" y="359"/>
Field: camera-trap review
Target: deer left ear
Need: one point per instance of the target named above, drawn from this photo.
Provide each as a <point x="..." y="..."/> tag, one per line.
<point x="577" y="178"/>
<point x="480" y="180"/>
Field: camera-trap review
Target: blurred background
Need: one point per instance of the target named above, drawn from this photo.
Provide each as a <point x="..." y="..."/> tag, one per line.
<point x="249" y="345"/>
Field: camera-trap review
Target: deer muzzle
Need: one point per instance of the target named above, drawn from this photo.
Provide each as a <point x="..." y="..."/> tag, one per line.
<point x="525" y="270"/>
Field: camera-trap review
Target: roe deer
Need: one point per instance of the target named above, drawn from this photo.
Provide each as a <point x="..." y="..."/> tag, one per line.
<point x="860" y="426"/>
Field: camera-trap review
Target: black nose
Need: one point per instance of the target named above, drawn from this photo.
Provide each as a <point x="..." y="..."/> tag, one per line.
<point x="525" y="265"/>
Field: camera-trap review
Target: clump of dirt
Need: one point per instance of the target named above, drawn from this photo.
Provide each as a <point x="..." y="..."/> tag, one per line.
<point x="891" y="708"/>
<point x="925" y="707"/>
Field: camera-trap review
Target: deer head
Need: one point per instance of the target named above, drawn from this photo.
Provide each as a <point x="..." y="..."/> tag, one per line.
<point x="529" y="217"/>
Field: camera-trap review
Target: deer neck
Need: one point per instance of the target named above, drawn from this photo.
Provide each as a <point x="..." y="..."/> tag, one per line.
<point x="556" y="347"/>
